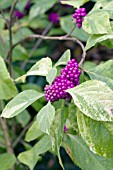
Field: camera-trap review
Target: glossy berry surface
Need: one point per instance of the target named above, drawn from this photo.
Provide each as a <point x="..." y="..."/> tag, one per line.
<point x="79" y="16"/>
<point x="69" y="78"/>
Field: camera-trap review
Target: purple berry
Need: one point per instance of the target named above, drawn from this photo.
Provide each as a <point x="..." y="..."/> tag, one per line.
<point x="79" y="16"/>
<point x="18" y="14"/>
<point x="54" y="18"/>
<point x="28" y="5"/>
<point x="69" y="78"/>
<point x="79" y="25"/>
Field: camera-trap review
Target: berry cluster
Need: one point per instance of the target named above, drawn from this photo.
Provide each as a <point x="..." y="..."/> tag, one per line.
<point x="69" y="78"/>
<point x="54" y="18"/>
<point x="79" y="16"/>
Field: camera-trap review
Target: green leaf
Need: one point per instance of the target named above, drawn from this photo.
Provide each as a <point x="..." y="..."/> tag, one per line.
<point x="5" y="4"/>
<point x="45" y="117"/>
<point x="2" y="23"/>
<point x="7" y="161"/>
<point x="42" y="22"/>
<point x="39" y="8"/>
<point x="33" y="132"/>
<point x="103" y="72"/>
<point x="83" y="157"/>
<point x="109" y="9"/>
<point x="67" y="25"/>
<point x="7" y="87"/>
<point x="41" y="68"/>
<point x="2" y="45"/>
<point x="62" y="61"/>
<point x="23" y="118"/>
<point x="96" y="135"/>
<point x="57" y="132"/>
<point x="89" y="64"/>
<point x="104" y="5"/>
<point x="21" y="5"/>
<point x="31" y="156"/>
<point x="51" y="75"/>
<point x="108" y="43"/>
<point x="97" y="23"/>
<point x="109" y="126"/>
<point x="19" y="53"/>
<point x="99" y="5"/>
<point x="94" y="39"/>
<point x="71" y="122"/>
<point x="20" y="103"/>
<point x="64" y="58"/>
<point x="37" y="105"/>
<point x="56" y="31"/>
<point x="75" y="4"/>
<point x="18" y="33"/>
<point x="95" y="99"/>
<point x="31" y="86"/>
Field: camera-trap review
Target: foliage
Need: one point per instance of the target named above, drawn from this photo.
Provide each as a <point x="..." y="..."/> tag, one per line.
<point x="28" y="64"/>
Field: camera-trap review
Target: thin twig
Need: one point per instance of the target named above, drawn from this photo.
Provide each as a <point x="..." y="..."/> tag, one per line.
<point x="2" y="120"/>
<point x="40" y="40"/>
<point x="6" y="135"/>
<point x="5" y="131"/>
<point x="3" y="44"/>
<point x="9" y="57"/>
<point x="13" y="130"/>
<point x="21" y="134"/>
<point x="37" y="44"/>
<point x="69" y="34"/>
<point x="3" y="16"/>
<point x="60" y="38"/>
<point x="12" y="9"/>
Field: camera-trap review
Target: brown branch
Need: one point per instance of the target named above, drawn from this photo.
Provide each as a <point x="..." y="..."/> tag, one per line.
<point x="5" y="131"/>
<point x="40" y="40"/>
<point x="3" y="16"/>
<point x="61" y="38"/>
<point x="3" y="44"/>
<point x="21" y="134"/>
<point x="69" y="34"/>
<point x="13" y="130"/>
<point x="9" y="57"/>
<point x="12" y="9"/>
<point x="6" y="135"/>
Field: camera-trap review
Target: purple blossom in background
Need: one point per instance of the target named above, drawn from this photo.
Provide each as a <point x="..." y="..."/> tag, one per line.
<point x="18" y="14"/>
<point x="69" y="78"/>
<point x="65" y="128"/>
<point x="54" y="17"/>
<point x="79" y="16"/>
<point x="28" y="5"/>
